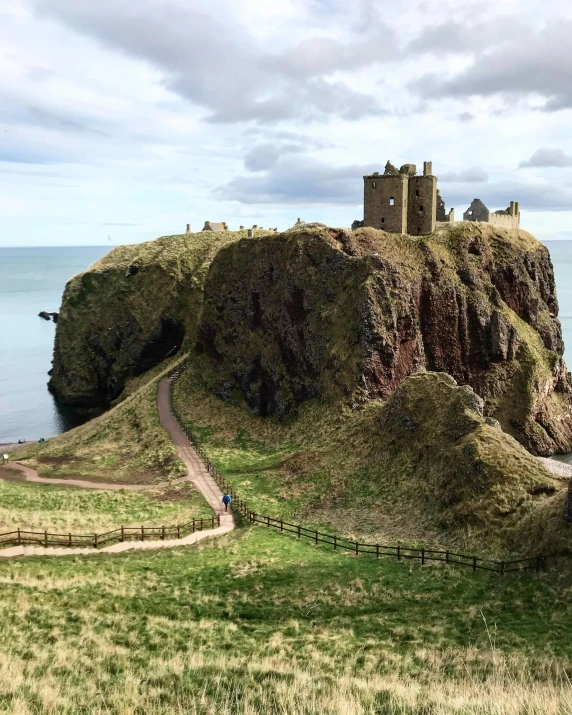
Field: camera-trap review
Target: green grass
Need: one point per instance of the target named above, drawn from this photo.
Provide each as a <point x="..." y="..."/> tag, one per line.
<point x="256" y="622"/>
<point x="61" y="509"/>
<point x="126" y="444"/>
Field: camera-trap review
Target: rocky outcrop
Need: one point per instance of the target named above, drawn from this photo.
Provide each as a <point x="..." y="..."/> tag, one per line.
<point x="322" y="313"/>
<point x="463" y="471"/>
<point x="127" y="313"/>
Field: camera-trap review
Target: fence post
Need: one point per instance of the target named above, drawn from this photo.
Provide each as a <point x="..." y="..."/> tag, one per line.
<point x="19" y="538"/>
<point x="446" y="557"/>
<point x="335" y="542"/>
<point x="142" y="533"/>
<point x="316" y="536"/>
<point x="201" y="524"/>
<point x="422" y="556"/>
<point x="218" y="519"/>
<point x="399" y="553"/>
<point x="95" y="541"/>
<point x="46" y="539"/>
<point x="377" y="551"/>
<point x="281" y="524"/>
<point x="122" y="532"/>
<point x="357" y="548"/>
<point x="163" y="533"/>
<point x="179" y="531"/>
<point x="474" y="563"/>
<point x="298" y="530"/>
<point x="193" y="526"/>
<point x="70" y="540"/>
<point x="502" y="568"/>
<point x="267" y="521"/>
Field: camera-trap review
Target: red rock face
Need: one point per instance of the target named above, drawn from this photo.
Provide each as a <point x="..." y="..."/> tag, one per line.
<point x="329" y="315"/>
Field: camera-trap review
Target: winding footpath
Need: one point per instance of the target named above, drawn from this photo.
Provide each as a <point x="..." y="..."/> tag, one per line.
<point x="196" y="473"/>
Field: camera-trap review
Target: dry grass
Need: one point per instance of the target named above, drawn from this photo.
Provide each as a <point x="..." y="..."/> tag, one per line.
<point x="259" y="623"/>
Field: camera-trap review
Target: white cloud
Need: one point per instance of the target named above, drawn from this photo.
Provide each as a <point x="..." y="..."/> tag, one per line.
<point x="135" y="118"/>
<point x="548" y="157"/>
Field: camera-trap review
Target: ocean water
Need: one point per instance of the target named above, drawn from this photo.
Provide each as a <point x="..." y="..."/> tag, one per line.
<point x="33" y="279"/>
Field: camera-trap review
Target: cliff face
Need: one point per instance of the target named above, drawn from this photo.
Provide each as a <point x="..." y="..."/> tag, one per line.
<point x="125" y="314"/>
<point x="321" y="313"/>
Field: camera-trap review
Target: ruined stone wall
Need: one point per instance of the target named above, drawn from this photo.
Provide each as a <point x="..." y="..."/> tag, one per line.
<point x="422" y="205"/>
<point x="477" y="211"/>
<point x="385" y="202"/>
<point x="504" y="220"/>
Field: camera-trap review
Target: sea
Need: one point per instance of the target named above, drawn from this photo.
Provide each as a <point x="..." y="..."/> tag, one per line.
<point x="33" y="279"/>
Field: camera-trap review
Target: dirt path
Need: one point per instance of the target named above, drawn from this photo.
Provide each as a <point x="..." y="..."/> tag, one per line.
<point x="196" y="473"/>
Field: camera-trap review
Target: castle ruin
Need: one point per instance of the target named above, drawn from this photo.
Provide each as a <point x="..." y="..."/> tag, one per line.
<point x="399" y="201"/>
<point x="509" y="218"/>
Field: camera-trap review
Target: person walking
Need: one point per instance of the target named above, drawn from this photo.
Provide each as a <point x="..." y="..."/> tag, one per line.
<point x="226" y="500"/>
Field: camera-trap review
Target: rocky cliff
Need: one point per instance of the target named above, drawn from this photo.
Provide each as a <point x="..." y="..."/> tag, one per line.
<point x="125" y="314"/>
<point x="329" y="314"/>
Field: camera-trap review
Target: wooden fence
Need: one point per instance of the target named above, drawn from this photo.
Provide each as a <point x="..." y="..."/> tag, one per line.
<point x="476" y="563"/>
<point x="20" y="537"/>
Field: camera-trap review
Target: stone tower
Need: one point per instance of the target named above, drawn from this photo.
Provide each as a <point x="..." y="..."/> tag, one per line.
<point x="400" y="201"/>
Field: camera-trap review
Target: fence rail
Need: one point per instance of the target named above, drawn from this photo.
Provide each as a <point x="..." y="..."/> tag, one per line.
<point x="476" y="563"/>
<point x="21" y="537"/>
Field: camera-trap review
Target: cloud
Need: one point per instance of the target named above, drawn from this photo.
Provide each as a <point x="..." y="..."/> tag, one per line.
<point x="299" y="181"/>
<point x="120" y="224"/>
<point x="548" y="157"/>
<point x="264" y="156"/>
<point x="223" y="68"/>
<point x="510" y="59"/>
<point x="475" y="175"/>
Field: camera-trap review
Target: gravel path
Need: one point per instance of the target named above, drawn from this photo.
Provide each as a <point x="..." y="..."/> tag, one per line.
<point x="561" y="469"/>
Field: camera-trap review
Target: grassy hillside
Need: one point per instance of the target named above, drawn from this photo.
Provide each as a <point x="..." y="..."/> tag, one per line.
<point x="125" y="444"/>
<point x="59" y="509"/>
<point x="425" y="467"/>
<point x="260" y="623"/>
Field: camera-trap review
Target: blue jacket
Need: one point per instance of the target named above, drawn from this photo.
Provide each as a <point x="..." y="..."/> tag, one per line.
<point x="226" y="499"/>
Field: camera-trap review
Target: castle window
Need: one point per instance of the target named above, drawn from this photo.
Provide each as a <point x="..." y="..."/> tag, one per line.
<point x="373" y="184"/>
<point x="421" y="209"/>
<point x="382" y="220"/>
<point x="470" y="213"/>
<point x="417" y="194"/>
<point x="392" y="201"/>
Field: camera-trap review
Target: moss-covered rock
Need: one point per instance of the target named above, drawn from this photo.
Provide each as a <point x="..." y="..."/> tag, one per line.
<point x="127" y="312"/>
<point x="323" y="313"/>
<point x="469" y="473"/>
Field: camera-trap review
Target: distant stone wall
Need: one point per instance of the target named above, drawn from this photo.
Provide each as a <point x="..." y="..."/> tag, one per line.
<point x="504" y="220"/>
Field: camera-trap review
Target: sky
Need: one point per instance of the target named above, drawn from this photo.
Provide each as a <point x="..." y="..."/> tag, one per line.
<point x="124" y="120"/>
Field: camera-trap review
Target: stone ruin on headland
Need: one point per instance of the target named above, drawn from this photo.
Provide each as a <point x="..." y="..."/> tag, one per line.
<point x="399" y="201"/>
